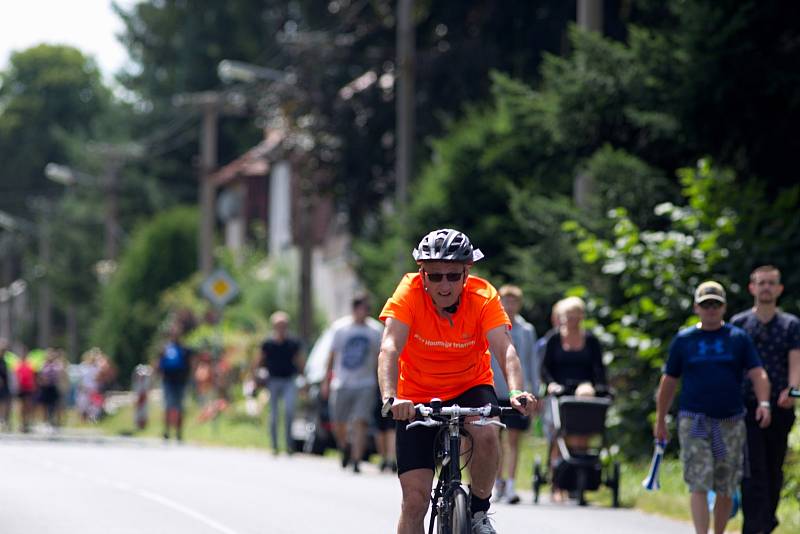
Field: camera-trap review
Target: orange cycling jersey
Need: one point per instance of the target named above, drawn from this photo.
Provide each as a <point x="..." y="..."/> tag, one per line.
<point x="441" y="359"/>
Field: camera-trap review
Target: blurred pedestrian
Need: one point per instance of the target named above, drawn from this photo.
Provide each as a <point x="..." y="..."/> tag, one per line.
<point x="546" y="413"/>
<point x="710" y="360"/>
<point x="385" y="436"/>
<point x="174" y="364"/>
<point x="573" y="357"/>
<point x="142" y="378"/>
<point x="50" y="377"/>
<point x="5" y="387"/>
<point x="776" y="335"/>
<point x="281" y="359"/>
<point x="523" y="335"/>
<point x="88" y="387"/>
<point x="352" y="369"/>
<point x="26" y="389"/>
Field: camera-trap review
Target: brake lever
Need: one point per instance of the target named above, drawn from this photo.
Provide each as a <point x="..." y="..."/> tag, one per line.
<point x="483" y="421"/>
<point x="425" y="422"/>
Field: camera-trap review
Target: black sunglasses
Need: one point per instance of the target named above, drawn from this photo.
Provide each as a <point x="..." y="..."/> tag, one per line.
<point x="437" y="277"/>
<point x="708" y="304"/>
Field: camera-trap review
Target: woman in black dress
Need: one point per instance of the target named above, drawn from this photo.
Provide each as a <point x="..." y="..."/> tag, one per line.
<point x="572" y="364"/>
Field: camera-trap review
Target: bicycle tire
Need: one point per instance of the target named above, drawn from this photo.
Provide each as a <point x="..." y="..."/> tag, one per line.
<point x="461" y="523"/>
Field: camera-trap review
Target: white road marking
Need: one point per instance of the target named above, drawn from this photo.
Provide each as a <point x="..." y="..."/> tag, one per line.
<point x="185" y="510"/>
<point x="155" y="497"/>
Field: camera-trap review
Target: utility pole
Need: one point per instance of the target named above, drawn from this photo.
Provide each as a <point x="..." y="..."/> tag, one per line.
<point x="45" y="315"/>
<point x="307" y="231"/>
<point x="211" y="105"/>
<point x="208" y="162"/>
<point x="590" y="17"/>
<point x="404" y="110"/>
<point x="110" y="180"/>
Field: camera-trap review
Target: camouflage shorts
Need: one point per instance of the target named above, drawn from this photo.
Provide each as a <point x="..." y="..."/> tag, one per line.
<point x="701" y="471"/>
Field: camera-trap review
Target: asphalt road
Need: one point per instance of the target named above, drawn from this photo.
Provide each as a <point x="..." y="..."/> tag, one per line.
<point x="147" y="487"/>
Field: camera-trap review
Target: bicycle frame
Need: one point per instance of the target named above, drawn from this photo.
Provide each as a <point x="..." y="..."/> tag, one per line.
<point x="449" y="481"/>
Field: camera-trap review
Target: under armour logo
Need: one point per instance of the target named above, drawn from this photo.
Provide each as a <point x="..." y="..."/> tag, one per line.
<point x="704" y="347"/>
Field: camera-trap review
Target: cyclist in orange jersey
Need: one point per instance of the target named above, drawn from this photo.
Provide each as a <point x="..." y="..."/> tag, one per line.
<point x="440" y="324"/>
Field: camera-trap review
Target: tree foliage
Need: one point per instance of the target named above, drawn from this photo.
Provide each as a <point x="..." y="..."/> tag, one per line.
<point x="45" y="92"/>
<point x="160" y="254"/>
<point x="641" y="290"/>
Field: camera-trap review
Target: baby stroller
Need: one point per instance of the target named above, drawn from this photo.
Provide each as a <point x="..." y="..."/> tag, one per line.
<point x="578" y="471"/>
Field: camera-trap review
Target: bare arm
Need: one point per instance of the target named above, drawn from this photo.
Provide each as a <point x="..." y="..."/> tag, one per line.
<point x="394" y="340"/>
<point x="501" y="346"/>
<point x="395" y="335"/>
<point x="325" y="386"/>
<point x="785" y="401"/>
<point x="761" y="387"/>
<point x="664" y="398"/>
<point x="794" y="367"/>
<point x="299" y="360"/>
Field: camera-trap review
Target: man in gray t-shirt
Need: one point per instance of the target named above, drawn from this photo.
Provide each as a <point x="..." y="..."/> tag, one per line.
<point x="353" y="380"/>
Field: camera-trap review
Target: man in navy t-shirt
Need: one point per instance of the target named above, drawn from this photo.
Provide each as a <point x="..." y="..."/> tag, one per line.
<point x="711" y="360"/>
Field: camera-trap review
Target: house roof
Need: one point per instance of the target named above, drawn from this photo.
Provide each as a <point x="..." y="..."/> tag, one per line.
<point x="254" y="162"/>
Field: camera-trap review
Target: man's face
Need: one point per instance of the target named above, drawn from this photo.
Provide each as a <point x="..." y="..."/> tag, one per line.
<point x="766" y="287"/>
<point x="444" y="281"/>
<point x="361" y="311"/>
<point x="710" y="311"/>
<point x="511" y="304"/>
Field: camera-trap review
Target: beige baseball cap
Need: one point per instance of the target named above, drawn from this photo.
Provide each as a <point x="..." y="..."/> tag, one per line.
<point x="709" y="291"/>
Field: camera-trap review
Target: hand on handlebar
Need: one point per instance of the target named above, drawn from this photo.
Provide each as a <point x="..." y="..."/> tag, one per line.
<point x="402" y="410"/>
<point x="525" y="403"/>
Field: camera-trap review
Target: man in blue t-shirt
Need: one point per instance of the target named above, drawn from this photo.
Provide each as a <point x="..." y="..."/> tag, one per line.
<point x="776" y="335"/>
<point x="174" y="364"/>
<point x="711" y="360"/>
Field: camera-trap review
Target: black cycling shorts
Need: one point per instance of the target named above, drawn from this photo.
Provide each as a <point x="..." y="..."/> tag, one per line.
<point x="415" y="447"/>
<point x="514" y="421"/>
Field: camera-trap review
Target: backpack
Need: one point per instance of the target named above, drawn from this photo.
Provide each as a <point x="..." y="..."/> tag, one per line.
<point x="173" y="359"/>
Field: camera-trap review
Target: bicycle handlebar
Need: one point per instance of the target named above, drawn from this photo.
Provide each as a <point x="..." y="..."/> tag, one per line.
<point x="484" y="411"/>
<point x="436" y="408"/>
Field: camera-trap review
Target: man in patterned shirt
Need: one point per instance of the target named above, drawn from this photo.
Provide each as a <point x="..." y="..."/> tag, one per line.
<point x="777" y="338"/>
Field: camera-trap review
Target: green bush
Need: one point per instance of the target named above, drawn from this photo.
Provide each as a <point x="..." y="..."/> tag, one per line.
<point x="640" y="291"/>
<point x="161" y="253"/>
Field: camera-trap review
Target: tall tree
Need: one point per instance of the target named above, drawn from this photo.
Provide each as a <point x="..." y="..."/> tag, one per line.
<point x="46" y="93"/>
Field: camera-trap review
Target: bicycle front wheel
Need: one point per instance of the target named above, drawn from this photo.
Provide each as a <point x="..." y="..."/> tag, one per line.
<point x="461" y="522"/>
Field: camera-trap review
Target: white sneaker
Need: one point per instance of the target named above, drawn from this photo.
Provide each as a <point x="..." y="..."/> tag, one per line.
<point x="511" y="498"/>
<point x="499" y="490"/>
<point x="481" y="524"/>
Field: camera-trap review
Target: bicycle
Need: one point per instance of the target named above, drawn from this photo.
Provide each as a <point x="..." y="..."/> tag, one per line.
<point x="449" y="502"/>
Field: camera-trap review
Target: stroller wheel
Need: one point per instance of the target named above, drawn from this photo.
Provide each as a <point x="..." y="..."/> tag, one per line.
<point x="537" y="479"/>
<point x="615" y="485"/>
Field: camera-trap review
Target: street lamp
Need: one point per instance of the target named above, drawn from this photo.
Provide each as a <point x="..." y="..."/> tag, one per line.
<point x="69" y="177"/>
<point x="230" y="70"/>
